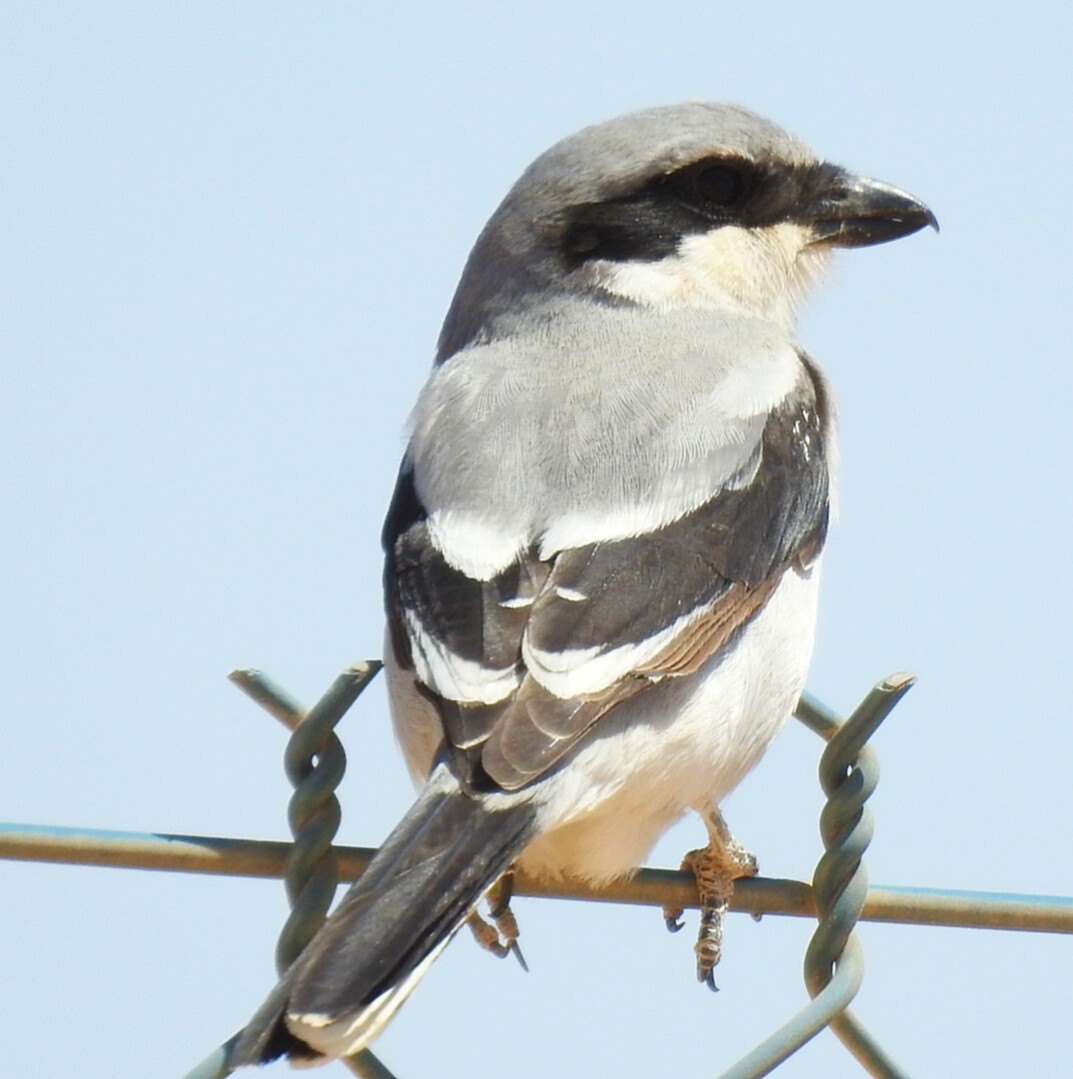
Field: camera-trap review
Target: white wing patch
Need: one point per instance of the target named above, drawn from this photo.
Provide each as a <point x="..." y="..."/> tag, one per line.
<point x="453" y="677"/>
<point x="474" y="545"/>
<point x="580" y="672"/>
<point x="517" y="603"/>
<point x="601" y="524"/>
<point x="571" y="595"/>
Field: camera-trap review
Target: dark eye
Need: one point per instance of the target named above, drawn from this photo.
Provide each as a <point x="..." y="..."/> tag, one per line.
<point x="718" y="184"/>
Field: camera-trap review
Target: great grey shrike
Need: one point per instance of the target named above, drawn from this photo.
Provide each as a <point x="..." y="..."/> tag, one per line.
<point x="603" y="551"/>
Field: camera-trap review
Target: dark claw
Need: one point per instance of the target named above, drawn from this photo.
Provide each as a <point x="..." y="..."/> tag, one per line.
<point x="673" y="922"/>
<point x="709" y="980"/>
<point x="518" y="955"/>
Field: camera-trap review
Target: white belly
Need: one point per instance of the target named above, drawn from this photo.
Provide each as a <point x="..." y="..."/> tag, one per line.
<point x="685" y="744"/>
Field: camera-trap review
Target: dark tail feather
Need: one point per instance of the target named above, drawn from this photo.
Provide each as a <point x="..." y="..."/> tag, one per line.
<point x="426" y="878"/>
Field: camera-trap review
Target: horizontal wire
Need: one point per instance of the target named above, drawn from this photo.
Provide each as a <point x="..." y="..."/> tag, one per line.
<point x="648" y="887"/>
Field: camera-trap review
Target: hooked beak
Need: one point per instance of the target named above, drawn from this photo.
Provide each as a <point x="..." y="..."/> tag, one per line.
<point x="858" y="212"/>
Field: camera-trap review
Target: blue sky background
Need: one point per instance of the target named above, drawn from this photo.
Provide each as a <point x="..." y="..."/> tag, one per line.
<point x="229" y="234"/>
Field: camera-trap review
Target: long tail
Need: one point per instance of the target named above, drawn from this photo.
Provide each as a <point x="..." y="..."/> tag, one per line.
<point x="397" y="917"/>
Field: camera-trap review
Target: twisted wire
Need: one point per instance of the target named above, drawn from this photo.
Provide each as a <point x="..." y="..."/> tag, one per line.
<point x="314" y="762"/>
<point x="834" y="961"/>
<point x="848" y="772"/>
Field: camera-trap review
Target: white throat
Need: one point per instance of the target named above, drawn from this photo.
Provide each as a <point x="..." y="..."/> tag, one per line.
<point x="763" y="272"/>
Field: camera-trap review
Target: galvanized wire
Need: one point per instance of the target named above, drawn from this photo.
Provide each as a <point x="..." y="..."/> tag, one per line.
<point x="266" y="859"/>
<point x="314" y="762"/>
<point x="839" y="894"/>
<point x="808" y="1022"/>
<point x="834" y="962"/>
<point x="849" y="772"/>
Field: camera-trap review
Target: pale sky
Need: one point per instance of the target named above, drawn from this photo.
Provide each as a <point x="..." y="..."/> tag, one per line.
<point x="230" y="232"/>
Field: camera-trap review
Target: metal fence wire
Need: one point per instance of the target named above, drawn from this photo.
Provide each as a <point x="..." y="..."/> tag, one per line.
<point x="838" y="897"/>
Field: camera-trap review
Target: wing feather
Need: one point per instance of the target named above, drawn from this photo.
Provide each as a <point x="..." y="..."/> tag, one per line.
<point x="562" y="640"/>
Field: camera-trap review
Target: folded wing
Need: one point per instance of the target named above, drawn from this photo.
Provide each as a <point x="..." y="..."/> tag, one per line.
<point x="522" y="665"/>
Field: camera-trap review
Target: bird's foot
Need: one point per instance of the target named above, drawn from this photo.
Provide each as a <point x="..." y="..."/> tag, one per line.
<point x="500" y="936"/>
<point x="715" y="868"/>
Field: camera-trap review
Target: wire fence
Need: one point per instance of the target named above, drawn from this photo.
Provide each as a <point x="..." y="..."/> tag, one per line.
<point x="838" y="897"/>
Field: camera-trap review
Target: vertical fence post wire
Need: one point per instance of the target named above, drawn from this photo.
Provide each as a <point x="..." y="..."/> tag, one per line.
<point x="834" y="962"/>
<point x="849" y="771"/>
<point x="315" y="762"/>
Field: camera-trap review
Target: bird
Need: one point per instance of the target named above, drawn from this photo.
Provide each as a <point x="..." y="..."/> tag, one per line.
<point x="603" y="551"/>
